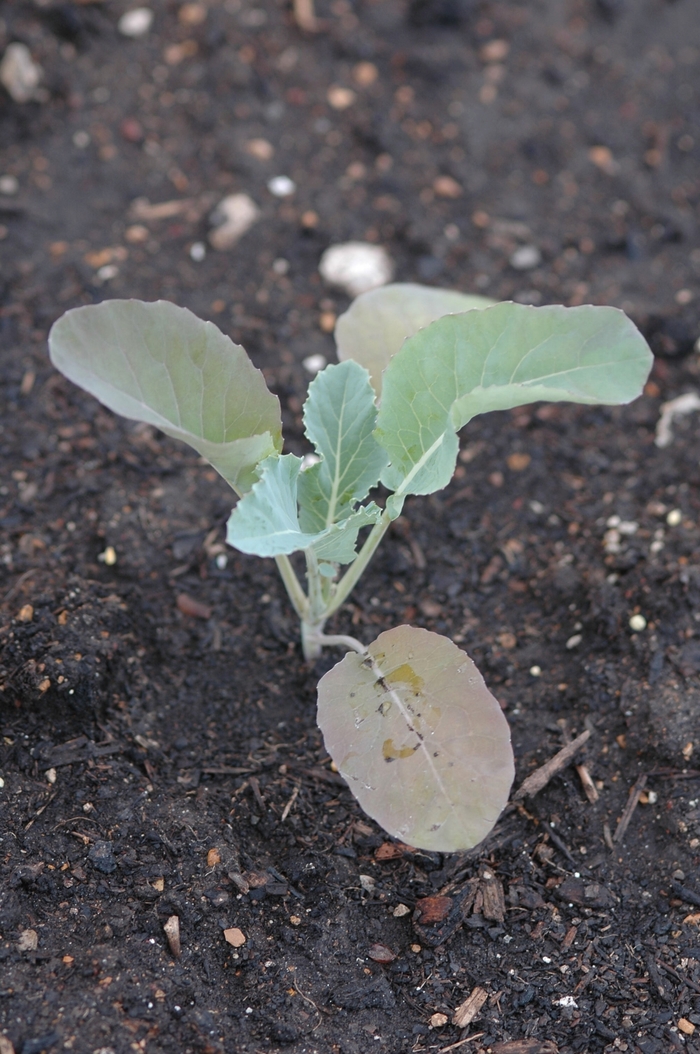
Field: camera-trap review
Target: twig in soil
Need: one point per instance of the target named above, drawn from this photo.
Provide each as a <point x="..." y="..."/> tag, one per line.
<point x="257" y="793"/>
<point x="461" y="1042"/>
<point x="561" y="846"/>
<point x="631" y="805"/>
<point x="681" y="978"/>
<point x="288" y="807"/>
<point x="18" y="584"/>
<point x="539" y="779"/>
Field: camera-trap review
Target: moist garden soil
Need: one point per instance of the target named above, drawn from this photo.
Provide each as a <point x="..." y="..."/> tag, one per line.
<point x="159" y="755"/>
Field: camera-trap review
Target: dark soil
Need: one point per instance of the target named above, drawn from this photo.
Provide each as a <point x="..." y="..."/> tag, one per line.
<point x="157" y="763"/>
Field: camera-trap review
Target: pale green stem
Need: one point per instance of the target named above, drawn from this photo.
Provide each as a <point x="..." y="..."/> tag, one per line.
<point x="297" y="595"/>
<point x="356" y="569"/>
<point x="339" y="640"/>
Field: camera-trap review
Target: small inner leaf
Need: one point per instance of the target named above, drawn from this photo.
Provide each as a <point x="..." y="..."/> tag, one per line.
<point x="265" y="521"/>
<point x="421" y="741"/>
<point x="339" y="415"/>
<point x="376" y="324"/>
<point x="161" y="364"/>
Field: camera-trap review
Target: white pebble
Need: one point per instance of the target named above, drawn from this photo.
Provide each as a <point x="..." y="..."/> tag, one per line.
<point x="281" y="186"/>
<point x="628" y="527"/>
<point x="135" y="23"/>
<point x="674" y="518"/>
<point x="638" y="623"/>
<point x="232" y="217"/>
<point x="9" y="185"/>
<point x="356" y="267"/>
<point x="107" y="272"/>
<point x="535" y="671"/>
<point x="198" y="251"/>
<point x="573" y="642"/>
<point x="525" y="258"/>
<point x="222" y="561"/>
<point x="19" y="73"/>
<point x="81" y="139"/>
<point x="314" y="363"/>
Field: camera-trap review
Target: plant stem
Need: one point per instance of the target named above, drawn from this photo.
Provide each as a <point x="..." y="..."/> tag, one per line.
<point x="296" y="594"/>
<point x="352" y="575"/>
<point x="339" y="640"/>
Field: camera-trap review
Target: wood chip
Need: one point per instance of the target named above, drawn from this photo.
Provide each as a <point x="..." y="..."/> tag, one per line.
<point x="235" y="937"/>
<point x="193" y="608"/>
<point x="493" y="903"/>
<point x="213" y="858"/>
<point x="379" y="953"/>
<point x="171" y="928"/>
<point x="467" y="1011"/>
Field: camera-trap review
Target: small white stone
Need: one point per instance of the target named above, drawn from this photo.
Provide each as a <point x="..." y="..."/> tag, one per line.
<point x="535" y="671"/>
<point x="613" y="521"/>
<point x="568" y="1001"/>
<point x="9" y="185"/>
<point x="19" y="73"/>
<point x="638" y="623"/>
<point x="232" y="217"/>
<point x="280" y="266"/>
<point x="81" y="139"/>
<point x="222" y="561"/>
<point x="573" y="642"/>
<point x="525" y="258"/>
<point x="198" y="251"/>
<point x="356" y="267"/>
<point x="135" y="23"/>
<point x="106" y="273"/>
<point x="314" y="363"/>
<point x="628" y="527"/>
<point x="674" y="518"/>
<point x="281" y="186"/>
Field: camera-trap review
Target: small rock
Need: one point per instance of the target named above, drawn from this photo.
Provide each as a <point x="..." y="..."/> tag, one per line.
<point x="28" y="941"/>
<point x="379" y="953"/>
<point x="9" y="185"/>
<point x="198" y="251"/>
<point x="232" y="217"/>
<point x="281" y="186"/>
<point x="235" y="937"/>
<point x="447" y="187"/>
<point x="356" y="267"/>
<point x="313" y="364"/>
<point x="102" y="858"/>
<point x="19" y="73"/>
<point x="340" y="98"/>
<point x="438" y="1020"/>
<point x="526" y="257"/>
<point x="135" y="23"/>
<point x="260" y="149"/>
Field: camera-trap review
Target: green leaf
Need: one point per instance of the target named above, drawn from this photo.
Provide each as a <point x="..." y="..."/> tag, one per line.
<point x="160" y="364"/>
<point x="505" y="356"/>
<point x="265" y="521"/>
<point x="419" y="738"/>
<point x="339" y="415"/>
<point x="376" y="324"/>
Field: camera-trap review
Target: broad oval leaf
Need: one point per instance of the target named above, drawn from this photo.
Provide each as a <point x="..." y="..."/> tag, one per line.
<point x="504" y="356"/>
<point x="376" y="324"/>
<point x="159" y="363"/>
<point x="265" y="522"/>
<point x="339" y="415"/>
<point x="421" y="741"/>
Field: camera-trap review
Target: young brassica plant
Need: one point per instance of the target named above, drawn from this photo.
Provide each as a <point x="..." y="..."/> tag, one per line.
<point x="408" y="720"/>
